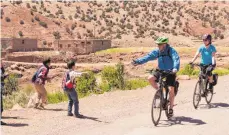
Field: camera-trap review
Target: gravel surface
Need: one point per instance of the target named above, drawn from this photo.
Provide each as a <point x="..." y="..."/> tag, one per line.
<point x="126" y="113"/>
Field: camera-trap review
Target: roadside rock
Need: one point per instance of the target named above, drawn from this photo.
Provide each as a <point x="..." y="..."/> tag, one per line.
<point x="183" y="77"/>
<point x="16" y="107"/>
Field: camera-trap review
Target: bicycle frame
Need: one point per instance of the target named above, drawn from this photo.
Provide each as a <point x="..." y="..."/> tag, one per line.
<point x="162" y="85"/>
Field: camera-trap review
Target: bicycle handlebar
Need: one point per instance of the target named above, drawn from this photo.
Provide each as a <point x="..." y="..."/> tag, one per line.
<point x="167" y="72"/>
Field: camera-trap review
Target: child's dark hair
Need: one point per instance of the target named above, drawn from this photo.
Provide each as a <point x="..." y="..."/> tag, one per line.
<point x="46" y="61"/>
<point x="70" y="64"/>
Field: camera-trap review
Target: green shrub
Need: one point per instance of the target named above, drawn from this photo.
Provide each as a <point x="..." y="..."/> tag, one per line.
<point x="85" y="84"/>
<point x="135" y="84"/>
<point x="44" y="24"/>
<point x="57" y="97"/>
<point x="114" y="76"/>
<point x="37" y="18"/>
<point x="73" y="26"/>
<point x="105" y="87"/>
<point x="221" y="71"/>
<point x="188" y="70"/>
<point x="16" y="97"/>
<point x="22" y="22"/>
<point x="7" y="19"/>
<point x="44" y="42"/>
<point x="20" y="34"/>
<point x="11" y="84"/>
<point x="57" y="35"/>
<point x="28" y="5"/>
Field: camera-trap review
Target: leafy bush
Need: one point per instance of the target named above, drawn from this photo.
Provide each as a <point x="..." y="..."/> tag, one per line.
<point x="20" y="34"/>
<point x="105" y="87"/>
<point x="221" y="71"/>
<point x="57" y="97"/>
<point x="129" y="26"/>
<point x="37" y="18"/>
<point x="31" y="12"/>
<point x="70" y="17"/>
<point x="114" y="76"/>
<point x="28" y="5"/>
<point x="85" y="84"/>
<point x="7" y="19"/>
<point x="18" y="97"/>
<point x="135" y="84"/>
<point x="188" y="70"/>
<point x="73" y="26"/>
<point x="11" y="84"/>
<point x="57" y="35"/>
<point x="44" y="24"/>
<point x="44" y="42"/>
<point x="22" y="22"/>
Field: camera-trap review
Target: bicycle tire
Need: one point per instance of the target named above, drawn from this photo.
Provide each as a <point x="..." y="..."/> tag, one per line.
<point x="158" y="95"/>
<point x="207" y="94"/>
<point x="167" y="111"/>
<point x="198" y="93"/>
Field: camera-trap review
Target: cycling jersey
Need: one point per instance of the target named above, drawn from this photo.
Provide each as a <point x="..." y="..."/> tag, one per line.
<point x="206" y="54"/>
<point x="168" y="59"/>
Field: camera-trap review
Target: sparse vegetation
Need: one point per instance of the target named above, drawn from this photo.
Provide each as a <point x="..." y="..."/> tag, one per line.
<point x="21" y="22"/>
<point x="7" y="19"/>
<point x="73" y="26"/>
<point x="20" y="34"/>
<point x="28" y="5"/>
<point x="57" y="35"/>
<point x="43" y="24"/>
<point x="37" y="18"/>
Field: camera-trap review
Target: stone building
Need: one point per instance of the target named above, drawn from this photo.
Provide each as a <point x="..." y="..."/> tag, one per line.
<point x="19" y="44"/>
<point x="82" y="46"/>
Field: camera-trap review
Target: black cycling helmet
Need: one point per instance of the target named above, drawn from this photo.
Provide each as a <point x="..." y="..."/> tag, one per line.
<point x="207" y="37"/>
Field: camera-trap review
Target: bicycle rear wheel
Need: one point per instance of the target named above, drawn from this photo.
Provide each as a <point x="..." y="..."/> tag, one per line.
<point x="208" y="94"/>
<point x="197" y="95"/>
<point x="156" y="108"/>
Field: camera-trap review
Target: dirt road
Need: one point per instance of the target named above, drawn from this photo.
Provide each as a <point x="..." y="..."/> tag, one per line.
<point x="126" y="113"/>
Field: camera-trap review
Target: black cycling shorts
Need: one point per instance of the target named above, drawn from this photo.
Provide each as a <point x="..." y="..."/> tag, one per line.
<point x="207" y="70"/>
<point x="170" y="79"/>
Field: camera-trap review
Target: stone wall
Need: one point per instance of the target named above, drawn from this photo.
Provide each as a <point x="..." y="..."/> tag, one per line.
<point x="24" y="44"/>
<point x="82" y="46"/>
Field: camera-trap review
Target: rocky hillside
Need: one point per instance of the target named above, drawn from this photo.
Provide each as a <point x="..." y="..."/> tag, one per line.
<point x="121" y="21"/>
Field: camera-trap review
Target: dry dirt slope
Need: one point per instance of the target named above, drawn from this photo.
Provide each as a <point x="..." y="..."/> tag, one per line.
<point x="135" y="20"/>
<point x="126" y="113"/>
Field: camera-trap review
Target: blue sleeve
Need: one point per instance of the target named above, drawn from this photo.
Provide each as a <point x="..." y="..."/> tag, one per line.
<point x="213" y="49"/>
<point x="200" y="49"/>
<point x="176" y="59"/>
<point x="151" y="56"/>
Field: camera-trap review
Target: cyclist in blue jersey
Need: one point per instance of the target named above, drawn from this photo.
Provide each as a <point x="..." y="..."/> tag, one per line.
<point x="168" y="60"/>
<point x="207" y="52"/>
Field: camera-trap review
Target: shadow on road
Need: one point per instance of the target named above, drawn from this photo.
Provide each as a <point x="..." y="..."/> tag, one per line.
<point x="182" y="120"/>
<point x="57" y="110"/>
<point x="219" y="105"/>
<point x="7" y="117"/>
<point x="93" y="118"/>
<point x="16" y="124"/>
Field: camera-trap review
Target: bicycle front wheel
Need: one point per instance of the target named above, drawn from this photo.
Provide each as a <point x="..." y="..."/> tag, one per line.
<point x="156" y="107"/>
<point x="208" y="94"/>
<point x="197" y="95"/>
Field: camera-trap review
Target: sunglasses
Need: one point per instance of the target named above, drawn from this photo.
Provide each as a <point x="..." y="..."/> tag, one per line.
<point x="205" y="39"/>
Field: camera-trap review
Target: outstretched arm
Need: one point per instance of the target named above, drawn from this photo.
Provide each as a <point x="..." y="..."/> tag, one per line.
<point x="195" y="57"/>
<point x="151" y="56"/>
<point x="176" y="60"/>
